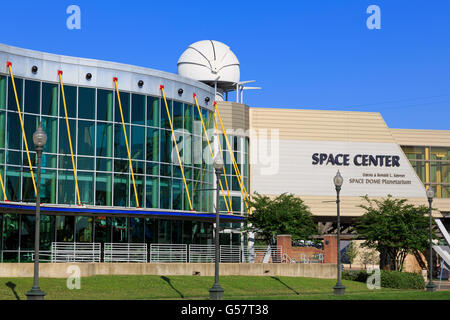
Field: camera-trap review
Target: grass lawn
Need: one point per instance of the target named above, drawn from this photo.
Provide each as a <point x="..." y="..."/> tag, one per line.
<point x="196" y="287"/>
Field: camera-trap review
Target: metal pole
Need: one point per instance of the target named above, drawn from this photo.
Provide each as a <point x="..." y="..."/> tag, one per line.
<point x="216" y="292"/>
<point x="35" y="293"/>
<point x="339" y="288"/>
<point x="431" y="287"/>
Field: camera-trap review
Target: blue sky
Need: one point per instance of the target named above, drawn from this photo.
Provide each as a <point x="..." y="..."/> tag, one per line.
<point x="315" y="54"/>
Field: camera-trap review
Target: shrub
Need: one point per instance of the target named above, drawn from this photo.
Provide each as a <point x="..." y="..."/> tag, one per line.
<point x="402" y="280"/>
<point x="389" y="279"/>
<point x="353" y="275"/>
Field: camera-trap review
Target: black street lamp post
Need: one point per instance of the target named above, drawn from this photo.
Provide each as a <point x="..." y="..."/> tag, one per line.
<point x="339" y="288"/>
<point x="39" y="139"/>
<point x="430" y="286"/>
<point x="216" y="291"/>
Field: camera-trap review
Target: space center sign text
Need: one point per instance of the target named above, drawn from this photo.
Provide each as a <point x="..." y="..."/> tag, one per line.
<point x="364" y="160"/>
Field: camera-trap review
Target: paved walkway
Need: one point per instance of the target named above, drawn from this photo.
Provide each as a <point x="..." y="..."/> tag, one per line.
<point x="445" y="284"/>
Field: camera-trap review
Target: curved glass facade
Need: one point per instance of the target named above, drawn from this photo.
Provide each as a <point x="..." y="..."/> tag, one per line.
<point x="100" y="152"/>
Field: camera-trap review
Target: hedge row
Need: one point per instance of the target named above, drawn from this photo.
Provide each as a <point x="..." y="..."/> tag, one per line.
<point x="389" y="279"/>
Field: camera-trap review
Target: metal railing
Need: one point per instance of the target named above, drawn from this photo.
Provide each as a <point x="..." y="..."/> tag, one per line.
<point x="201" y="253"/>
<point x="75" y="252"/>
<point x="314" y="258"/>
<point x="262" y="254"/>
<point x="125" y="252"/>
<point x="168" y="253"/>
<point x="230" y="254"/>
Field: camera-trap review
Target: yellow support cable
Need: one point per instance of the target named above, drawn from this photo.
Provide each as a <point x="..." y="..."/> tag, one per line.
<point x="126" y="141"/>
<point x="221" y="152"/>
<point x="212" y="154"/>
<point x="9" y="64"/>
<point x="236" y="169"/>
<point x="68" y="134"/>
<point x="3" y="188"/>
<point x="176" y="146"/>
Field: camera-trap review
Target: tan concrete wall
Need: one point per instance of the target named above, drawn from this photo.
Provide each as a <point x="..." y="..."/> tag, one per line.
<point x="411" y="137"/>
<point x="59" y="270"/>
<point x="235" y="116"/>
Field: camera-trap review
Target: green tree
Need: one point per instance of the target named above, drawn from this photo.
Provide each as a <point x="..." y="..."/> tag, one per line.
<point x="351" y="252"/>
<point x="286" y="214"/>
<point x="392" y="226"/>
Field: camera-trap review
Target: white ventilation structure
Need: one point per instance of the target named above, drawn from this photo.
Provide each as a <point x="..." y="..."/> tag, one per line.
<point x="211" y="62"/>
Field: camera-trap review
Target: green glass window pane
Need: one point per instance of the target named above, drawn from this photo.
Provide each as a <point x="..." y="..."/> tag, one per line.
<point x="177" y="172"/>
<point x="151" y="230"/>
<point x="104" y="164"/>
<point x="86" y="187"/>
<point x="166" y="170"/>
<point x="64" y="146"/>
<point x="120" y="147"/>
<point x="197" y="152"/>
<point x="14" y="157"/>
<point x="86" y="103"/>
<point x="104" y="139"/>
<point x="48" y="186"/>
<point x="65" y="162"/>
<point x="125" y="100"/>
<point x="32" y="97"/>
<point x="10" y="232"/>
<point x="2" y="128"/>
<point x="12" y="105"/>
<point x="138" y="109"/>
<point x="139" y="181"/>
<point x="104" y="105"/>
<point x="49" y="160"/>
<point x="50" y="126"/>
<point x="70" y="94"/>
<point x="197" y="126"/>
<point x="86" y="134"/>
<point x="152" y="144"/>
<point x="103" y="230"/>
<point x="49" y="99"/>
<point x="419" y="167"/>
<point x="2" y="92"/>
<point x="236" y="204"/>
<point x="177" y="192"/>
<point x="164" y="231"/>
<point x="188" y="117"/>
<point x="137" y="142"/>
<point x="414" y="152"/>
<point x="153" y="111"/>
<point x="120" y="230"/>
<point x="441" y="154"/>
<point x="152" y="192"/>
<point x="27" y="232"/>
<point x="187" y="150"/>
<point x="177" y="115"/>
<point x="66" y="187"/>
<point x="47" y="231"/>
<point x="121" y="190"/>
<point x="138" y="167"/>
<point x="14" y="133"/>
<point x="166" y="146"/>
<point x="177" y="231"/>
<point x="84" y="229"/>
<point x="65" y="227"/>
<point x="31" y="123"/>
<point x="28" y="194"/>
<point x="164" y="116"/>
<point x="186" y="199"/>
<point x="152" y="168"/>
<point x="85" y="163"/>
<point x="103" y="189"/>
<point x="165" y="193"/>
<point x="121" y="165"/>
<point x="136" y="230"/>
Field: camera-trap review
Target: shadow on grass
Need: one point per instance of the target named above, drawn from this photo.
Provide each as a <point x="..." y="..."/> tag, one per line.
<point x="284" y="284"/>
<point x="170" y="284"/>
<point x="12" y="286"/>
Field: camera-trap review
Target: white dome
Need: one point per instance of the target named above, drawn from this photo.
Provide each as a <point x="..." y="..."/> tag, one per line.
<point x="206" y="60"/>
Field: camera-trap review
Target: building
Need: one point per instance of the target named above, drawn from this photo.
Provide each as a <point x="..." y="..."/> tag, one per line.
<point x="276" y="151"/>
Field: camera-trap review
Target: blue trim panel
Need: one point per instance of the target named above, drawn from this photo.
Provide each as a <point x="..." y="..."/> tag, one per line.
<point x="118" y="211"/>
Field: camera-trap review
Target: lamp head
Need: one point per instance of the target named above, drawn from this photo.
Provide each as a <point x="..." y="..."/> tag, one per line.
<point x="430" y="193"/>
<point x="338" y="180"/>
<point x="218" y="162"/>
<point x="39" y="138"/>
